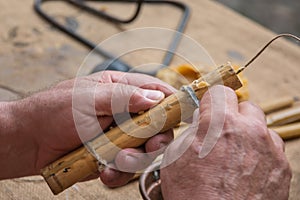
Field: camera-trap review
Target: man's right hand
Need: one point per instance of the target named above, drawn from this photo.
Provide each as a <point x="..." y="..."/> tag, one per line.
<point x="245" y="159"/>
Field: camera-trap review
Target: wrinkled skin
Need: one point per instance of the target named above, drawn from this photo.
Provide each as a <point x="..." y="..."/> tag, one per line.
<point x="39" y="129"/>
<point x="247" y="161"/>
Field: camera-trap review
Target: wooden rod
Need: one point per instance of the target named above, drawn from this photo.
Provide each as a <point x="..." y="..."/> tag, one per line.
<point x="289" y="131"/>
<point x="82" y="163"/>
<point x="284" y="116"/>
<point x="277" y="104"/>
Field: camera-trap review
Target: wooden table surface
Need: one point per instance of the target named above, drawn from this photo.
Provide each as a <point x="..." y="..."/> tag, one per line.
<point x="34" y="56"/>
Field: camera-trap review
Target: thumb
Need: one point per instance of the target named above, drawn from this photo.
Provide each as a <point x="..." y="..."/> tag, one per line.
<point x="216" y="105"/>
<point x="113" y="98"/>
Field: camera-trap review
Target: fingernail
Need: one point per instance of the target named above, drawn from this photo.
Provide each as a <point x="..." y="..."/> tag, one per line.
<point x="153" y="95"/>
<point x="131" y="159"/>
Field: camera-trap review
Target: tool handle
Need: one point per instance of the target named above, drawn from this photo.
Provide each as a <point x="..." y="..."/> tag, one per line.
<point x="82" y="163"/>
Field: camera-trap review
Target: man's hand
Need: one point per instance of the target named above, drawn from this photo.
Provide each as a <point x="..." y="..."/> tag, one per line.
<point x="39" y="129"/>
<point x="246" y="160"/>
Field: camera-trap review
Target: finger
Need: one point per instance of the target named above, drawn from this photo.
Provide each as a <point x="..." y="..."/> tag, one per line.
<point x="215" y="106"/>
<point x="277" y="140"/>
<point x="159" y="142"/>
<point x="219" y="99"/>
<point x="118" y="98"/>
<point x="132" y="160"/>
<point x="114" y="178"/>
<point x="218" y="105"/>
<point x="182" y="144"/>
<point x="135" y="79"/>
<point x="105" y="122"/>
<point x="252" y="111"/>
<point x="194" y="120"/>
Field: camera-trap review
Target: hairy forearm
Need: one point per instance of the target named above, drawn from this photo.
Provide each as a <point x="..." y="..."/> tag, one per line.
<point x="17" y="146"/>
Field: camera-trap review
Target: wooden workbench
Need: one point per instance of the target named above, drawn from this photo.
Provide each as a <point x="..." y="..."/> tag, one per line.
<point x="34" y="56"/>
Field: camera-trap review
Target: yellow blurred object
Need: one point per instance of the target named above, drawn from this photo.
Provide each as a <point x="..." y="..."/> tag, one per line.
<point x="184" y="74"/>
<point x="178" y="75"/>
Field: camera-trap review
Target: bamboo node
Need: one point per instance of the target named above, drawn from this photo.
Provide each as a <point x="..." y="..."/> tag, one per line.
<point x="169" y="106"/>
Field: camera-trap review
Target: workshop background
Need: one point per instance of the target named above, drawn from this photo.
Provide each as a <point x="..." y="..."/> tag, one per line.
<point x="277" y="15"/>
<point x="34" y="55"/>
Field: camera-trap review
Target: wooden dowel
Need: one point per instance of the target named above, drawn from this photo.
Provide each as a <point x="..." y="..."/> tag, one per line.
<point x="284" y="116"/>
<point x="277" y="104"/>
<point x="289" y="131"/>
<point x="81" y="163"/>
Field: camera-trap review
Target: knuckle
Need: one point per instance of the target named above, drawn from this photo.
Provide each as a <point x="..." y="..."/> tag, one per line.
<point x="251" y="104"/>
<point x="105" y="76"/>
<point x="205" y="118"/>
<point x="230" y="121"/>
<point x="277" y="139"/>
<point x="260" y="129"/>
<point x="230" y="117"/>
<point x="283" y="164"/>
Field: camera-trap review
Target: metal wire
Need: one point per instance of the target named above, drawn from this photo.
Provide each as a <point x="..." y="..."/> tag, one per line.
<point x="89" y="44"/>
<point x="264" y="48"/>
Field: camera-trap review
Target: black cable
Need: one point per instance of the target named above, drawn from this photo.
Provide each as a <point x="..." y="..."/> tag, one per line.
<point x="12" y="90"/>
<point x="180" y="29"/>
<point x="71" y="33"/>
<point x="113" y="19"/>
<point x="80" y="3"/>
<point x="288" y="35"/>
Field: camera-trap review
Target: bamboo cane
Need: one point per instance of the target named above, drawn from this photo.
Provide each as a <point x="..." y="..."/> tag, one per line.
<point x="289" y="131"/>
<point x="277" y="104"/>
<point x="284" y="116"/>
<point x="84" y="162"/>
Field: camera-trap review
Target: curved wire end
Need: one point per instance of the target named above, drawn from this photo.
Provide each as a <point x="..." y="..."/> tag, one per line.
<point x="264" y="48"/>
<point x="240" y="70"/>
